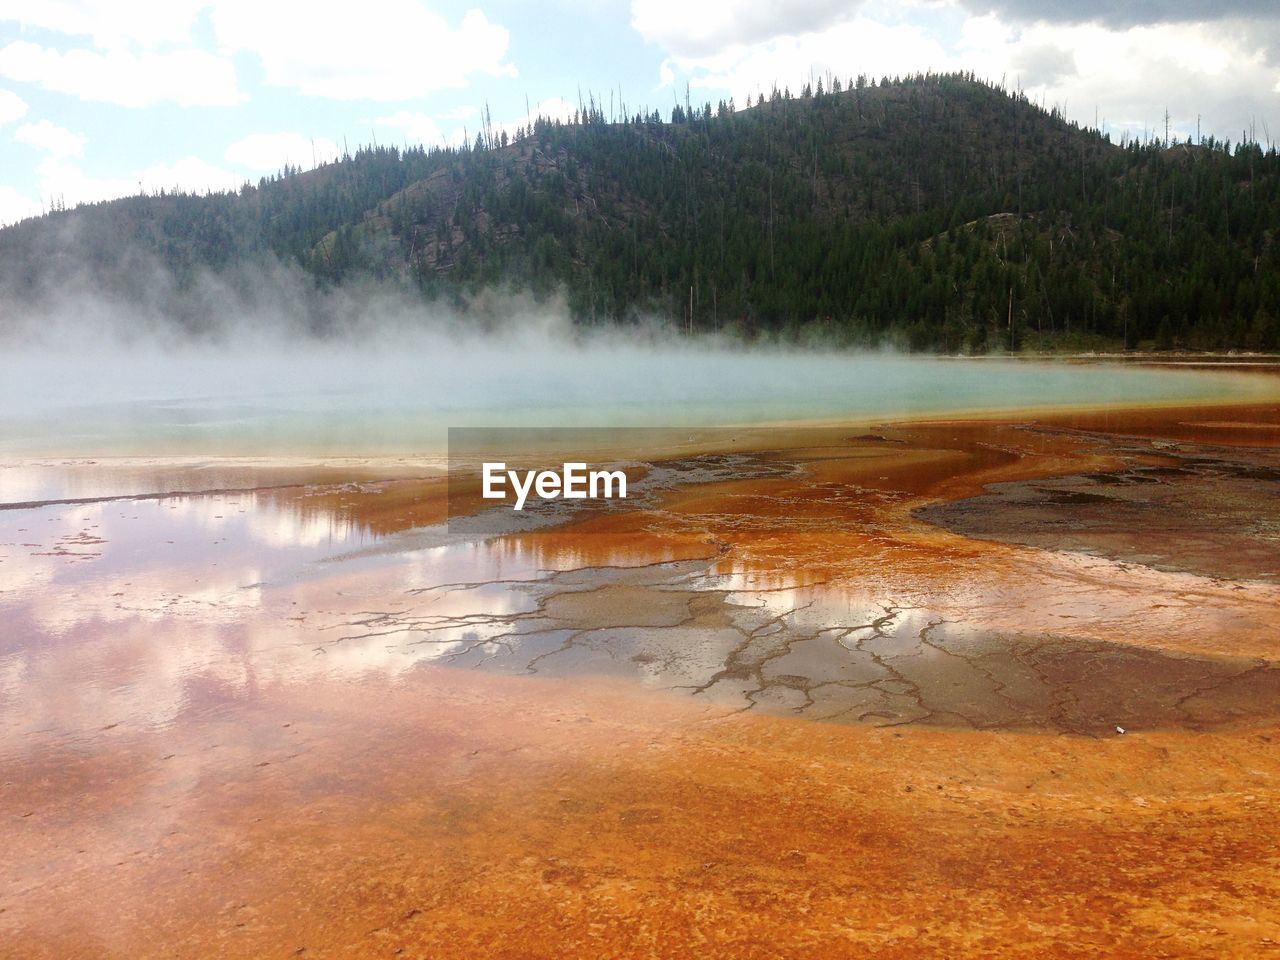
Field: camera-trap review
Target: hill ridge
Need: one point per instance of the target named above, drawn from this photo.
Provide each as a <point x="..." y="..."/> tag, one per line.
<point x="934" y="212"/>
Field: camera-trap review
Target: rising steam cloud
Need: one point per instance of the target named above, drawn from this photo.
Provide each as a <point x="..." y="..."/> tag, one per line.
<point x="260" y="361"/>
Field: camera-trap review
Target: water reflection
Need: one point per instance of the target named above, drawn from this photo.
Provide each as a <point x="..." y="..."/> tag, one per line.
<point x="131" y="613"/>
<point x="31" y="482"/>
<point x="140" y="612"/>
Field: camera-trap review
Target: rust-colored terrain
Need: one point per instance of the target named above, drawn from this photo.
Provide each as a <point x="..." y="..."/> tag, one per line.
<point x="965" y="688"/>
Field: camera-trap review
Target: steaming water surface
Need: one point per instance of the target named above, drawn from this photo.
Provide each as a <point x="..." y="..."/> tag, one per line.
<point x="284" y="660"/>
<point x="345" y="400"/>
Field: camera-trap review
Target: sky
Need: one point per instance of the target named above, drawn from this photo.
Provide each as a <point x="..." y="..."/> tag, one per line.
<point x="103" y="98"/>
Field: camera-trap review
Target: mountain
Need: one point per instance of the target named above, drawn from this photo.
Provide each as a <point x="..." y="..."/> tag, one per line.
<point x="933" y="212"/>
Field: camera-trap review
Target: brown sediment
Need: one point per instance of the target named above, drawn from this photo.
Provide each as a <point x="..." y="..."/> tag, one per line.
<point x="1208" y="424"/>
<point x="615" y="737"/>
<point x="456" y="815"/>
<point x="379" y="506"/>
<point x="1172" y="505"/>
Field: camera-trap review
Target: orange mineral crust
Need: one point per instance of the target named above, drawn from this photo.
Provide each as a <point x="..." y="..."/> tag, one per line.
<point x="455" y="814"/>
<point x="973" y="687"/>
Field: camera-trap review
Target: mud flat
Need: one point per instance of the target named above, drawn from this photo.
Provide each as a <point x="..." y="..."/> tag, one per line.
<point x="966" y="687"/>
<point x="1176" y="505"/>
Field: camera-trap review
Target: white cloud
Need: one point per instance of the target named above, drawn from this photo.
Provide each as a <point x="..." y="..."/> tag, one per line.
<point x="709" y="26"/>
<point x="12" y="107"/>
<point x="120" y="76"/>
<point x="147" y="23"/>
<point x="860" y="45"/>
<point x="271" y="151"/>
<point x="1131" y="76"/>
<point x="430" y="131"/>
<point x="1109" y="13"/>
<point x="1220" y="71"/>
<point x="459" y="113"/>
<point x="421" y="128"/>
<point x="391" y="50"/>
<point x="141" y="53"/>
<point x="553" y="108"/>
<point x="15" y="206"/>
<point x="191" y="174"/>
<point x="67" y="183"/>
<point x="51" y="138"/>
<point x="60" y="180"/>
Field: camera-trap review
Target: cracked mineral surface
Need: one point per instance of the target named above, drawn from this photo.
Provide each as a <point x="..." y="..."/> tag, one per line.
<point x="944" y="688"/>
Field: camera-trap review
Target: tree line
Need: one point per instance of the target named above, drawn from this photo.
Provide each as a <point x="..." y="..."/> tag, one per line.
<point x="934" y="212"/>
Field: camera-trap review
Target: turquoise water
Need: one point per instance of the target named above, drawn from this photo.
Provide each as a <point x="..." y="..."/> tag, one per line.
<point x="341" y="399"/>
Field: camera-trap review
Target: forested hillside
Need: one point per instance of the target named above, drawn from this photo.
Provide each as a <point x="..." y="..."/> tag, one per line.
<point x="935" y="212"/>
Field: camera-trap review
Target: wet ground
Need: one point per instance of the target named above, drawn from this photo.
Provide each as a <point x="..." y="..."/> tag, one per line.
<point x="677" y="626"/>
<point x="918" y="689"/>
<point x="1173" y="505"/>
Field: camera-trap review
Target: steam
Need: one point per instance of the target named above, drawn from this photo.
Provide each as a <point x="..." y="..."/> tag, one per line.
<point x="261" y="362"/>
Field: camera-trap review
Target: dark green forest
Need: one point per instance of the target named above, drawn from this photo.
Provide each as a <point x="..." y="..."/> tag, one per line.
<point x="934" y="212"/>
